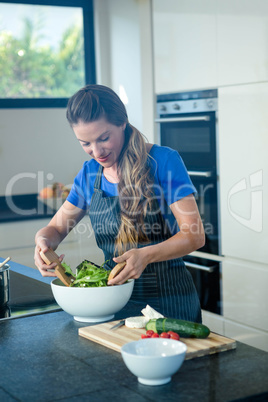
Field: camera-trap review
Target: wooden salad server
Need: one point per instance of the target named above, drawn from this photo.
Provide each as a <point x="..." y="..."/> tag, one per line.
<point x="116" y="270"/>
<point x="4" y="262"/>
<point x="49" y="257"/>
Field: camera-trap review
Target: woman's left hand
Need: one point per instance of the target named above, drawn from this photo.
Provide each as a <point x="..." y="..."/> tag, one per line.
<point x="136" y="263"/>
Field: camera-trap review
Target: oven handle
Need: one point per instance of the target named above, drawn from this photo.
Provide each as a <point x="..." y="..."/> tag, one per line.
<point x="199" y="174"/>
<point x="200" y="267"/>
<point x="174" y="119"/>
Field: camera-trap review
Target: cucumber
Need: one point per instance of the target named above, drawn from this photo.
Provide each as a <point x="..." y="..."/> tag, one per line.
<point x="186" y="329"/>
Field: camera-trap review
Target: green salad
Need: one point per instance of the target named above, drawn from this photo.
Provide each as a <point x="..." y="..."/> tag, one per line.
<point x="88" y="275"/>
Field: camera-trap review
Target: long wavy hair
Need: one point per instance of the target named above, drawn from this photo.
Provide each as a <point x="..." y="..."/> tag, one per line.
<point x="92" y="103"/>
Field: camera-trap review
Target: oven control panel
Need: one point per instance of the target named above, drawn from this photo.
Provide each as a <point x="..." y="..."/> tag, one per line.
<point x="187" y="102"/>
<point x="187" y="106"/>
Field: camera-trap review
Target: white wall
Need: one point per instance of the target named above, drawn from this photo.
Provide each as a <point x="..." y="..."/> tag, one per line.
<point x="123" y="33"/>
<point x="37" y="148"/>
<point x="40" y="140"/>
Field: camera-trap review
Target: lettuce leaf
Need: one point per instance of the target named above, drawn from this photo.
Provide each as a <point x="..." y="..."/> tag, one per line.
<point x="88" y="275"/>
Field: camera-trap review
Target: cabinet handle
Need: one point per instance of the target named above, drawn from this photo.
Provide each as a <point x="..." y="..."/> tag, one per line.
<point x="200" y="174"/>
<point x="200" y="267"/>
<point x="175" y="119"/>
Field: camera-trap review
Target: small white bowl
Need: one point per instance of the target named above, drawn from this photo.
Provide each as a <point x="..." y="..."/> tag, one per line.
<point x="154" y="360"/>
<point x="92" y="304"/>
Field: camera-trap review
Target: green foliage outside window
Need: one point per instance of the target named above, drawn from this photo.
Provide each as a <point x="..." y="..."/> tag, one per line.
<point x="31" y="68"/>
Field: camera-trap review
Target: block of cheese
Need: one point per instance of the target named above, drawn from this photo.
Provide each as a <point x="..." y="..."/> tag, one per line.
<point x="136" y="322"/>
<point x="150" y="313"/>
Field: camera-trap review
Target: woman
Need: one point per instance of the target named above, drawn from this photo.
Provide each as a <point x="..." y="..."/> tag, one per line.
<point x="140" y="201"/>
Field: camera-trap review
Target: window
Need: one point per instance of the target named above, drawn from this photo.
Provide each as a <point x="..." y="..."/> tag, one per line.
<point x="46" y="51"/>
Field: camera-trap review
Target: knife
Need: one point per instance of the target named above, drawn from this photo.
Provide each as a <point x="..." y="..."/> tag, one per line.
<point x="118" y="325"/>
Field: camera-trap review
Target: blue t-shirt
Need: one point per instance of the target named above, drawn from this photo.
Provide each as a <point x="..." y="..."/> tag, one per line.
<point x="171" y="183"/>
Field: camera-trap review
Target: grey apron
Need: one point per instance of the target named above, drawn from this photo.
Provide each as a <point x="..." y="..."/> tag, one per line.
<point x="166" y="286"/>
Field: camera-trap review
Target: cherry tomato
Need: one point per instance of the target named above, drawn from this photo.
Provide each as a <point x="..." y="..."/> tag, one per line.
<point x="164" y="335"/>
<point x="149" y="332"/>
<point x="172" y="333"/>
<point x="175" y="336"/>
<point x="143" y="336"/>
<point x="155" y="335"/>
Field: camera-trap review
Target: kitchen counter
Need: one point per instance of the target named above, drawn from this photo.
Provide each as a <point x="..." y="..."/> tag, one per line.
<point x="44" y="359"/>
<point x="23" y="207"/>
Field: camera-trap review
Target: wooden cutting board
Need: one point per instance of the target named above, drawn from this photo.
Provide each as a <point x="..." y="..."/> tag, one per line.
<point x="114" y="339"/>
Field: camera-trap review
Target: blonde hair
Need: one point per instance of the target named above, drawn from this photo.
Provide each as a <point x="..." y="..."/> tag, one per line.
<point x="92" y="103"/>
<point x="135" y="190"/>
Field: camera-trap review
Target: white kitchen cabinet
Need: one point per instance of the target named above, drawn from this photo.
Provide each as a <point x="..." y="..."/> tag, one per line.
<point x="209" y="43"/>
<point x="240" y="332"/>
<point x="242" y="41"/>
<point x="245" y="296"/>
<point x="84" y="247"/>
<point x="184" y="35"/>
<point x="243" y="165"/>
<point x="246" y="334"/>
<point x="20" y="233"/>
<point x="214" y="322"/>
<point x="17" y="241"/>
<point x="24" y="256"/>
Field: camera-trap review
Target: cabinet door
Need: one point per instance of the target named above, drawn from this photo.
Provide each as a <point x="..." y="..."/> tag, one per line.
<point x="214" y="322"/>
<point x="243" y="166"/>
<point x="245" y="296"/>
<point x="250" y="336"/>
<point x="85" y="247"/>
<point x="242" y="41"/>
<point x="18" y="234"/>
<point x="184" y="34"/>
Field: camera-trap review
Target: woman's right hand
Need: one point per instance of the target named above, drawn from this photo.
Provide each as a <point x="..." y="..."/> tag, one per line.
<point x="43" y="244"/>
<point x="52" y="235"/>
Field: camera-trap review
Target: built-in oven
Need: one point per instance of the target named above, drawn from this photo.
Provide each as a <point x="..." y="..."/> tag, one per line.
<point x="187" y="122"/>
<point x="206" y="275"/>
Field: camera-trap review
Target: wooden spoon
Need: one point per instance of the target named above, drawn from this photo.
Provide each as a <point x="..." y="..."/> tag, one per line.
<point x="4" y="262"/>
<point x="116" y="270"/>
<point x="49" y="257"/>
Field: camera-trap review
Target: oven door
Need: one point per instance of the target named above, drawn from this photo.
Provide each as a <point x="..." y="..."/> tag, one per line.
<point x="207" y="279"/>
<point x="193" y="135"/>
<point x="207" y="203"/>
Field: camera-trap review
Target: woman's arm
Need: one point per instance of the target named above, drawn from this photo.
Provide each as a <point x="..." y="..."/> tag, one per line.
<point x="190" y="238"/>
<point x="52" y="235"/>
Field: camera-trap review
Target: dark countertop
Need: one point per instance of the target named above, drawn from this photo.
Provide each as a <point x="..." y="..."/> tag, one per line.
<point x="44" y="359"/>
<point x="23" y="207"/>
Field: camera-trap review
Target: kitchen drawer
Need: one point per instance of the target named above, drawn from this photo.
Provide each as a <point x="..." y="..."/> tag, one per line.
<point x="24" y="256"/>
<point x="245" y="296"/>
<point x="246" y="334"/>
<point x="214" y="322"/>
<point x="22" y="234"/>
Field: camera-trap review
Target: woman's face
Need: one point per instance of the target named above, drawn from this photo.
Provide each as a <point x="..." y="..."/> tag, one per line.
<point x="101" y="140"/>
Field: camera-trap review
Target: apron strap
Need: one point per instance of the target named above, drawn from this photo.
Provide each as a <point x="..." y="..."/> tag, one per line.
<point x="97" y="182"/>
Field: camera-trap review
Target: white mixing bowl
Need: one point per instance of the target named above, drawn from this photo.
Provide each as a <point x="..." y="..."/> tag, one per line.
<point x="92" y="304"/>
<point x="154" y="360"/>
